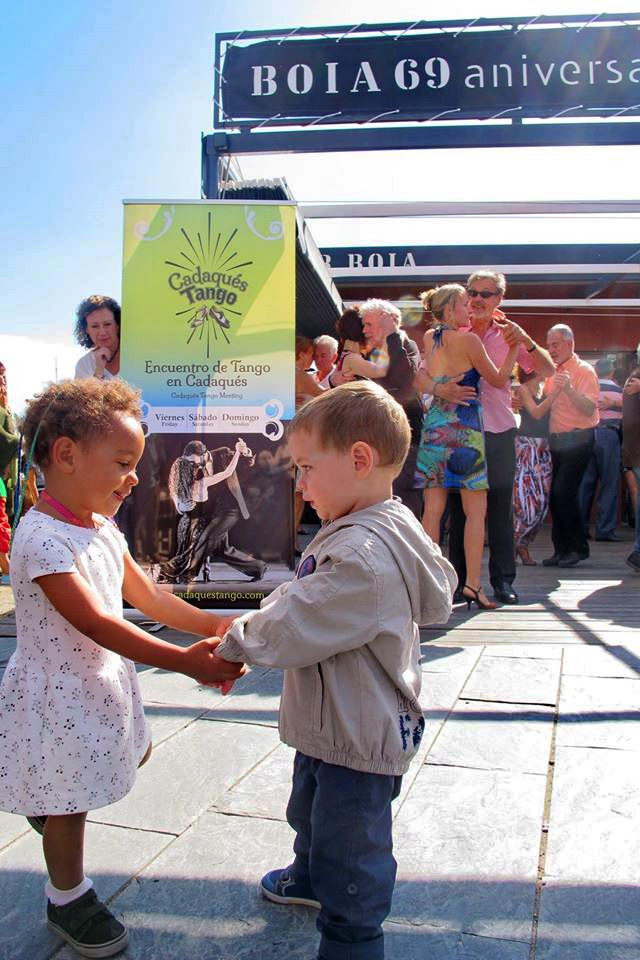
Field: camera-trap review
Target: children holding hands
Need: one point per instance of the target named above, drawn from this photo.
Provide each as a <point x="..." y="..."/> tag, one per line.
<point x="345" y="632"/>
<point x="72" y="725"/>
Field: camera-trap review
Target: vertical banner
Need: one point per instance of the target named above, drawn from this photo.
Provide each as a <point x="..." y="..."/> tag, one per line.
<point x="208" y="332"/>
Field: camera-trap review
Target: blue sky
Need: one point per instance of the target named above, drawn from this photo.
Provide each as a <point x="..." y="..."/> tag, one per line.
<point x="107" y="101"/>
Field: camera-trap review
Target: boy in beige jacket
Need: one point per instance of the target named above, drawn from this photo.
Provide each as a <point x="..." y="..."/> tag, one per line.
<point x="345" y="632"/>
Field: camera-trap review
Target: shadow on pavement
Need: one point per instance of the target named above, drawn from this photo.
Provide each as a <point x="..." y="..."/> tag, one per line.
<point x="182" y="918"/>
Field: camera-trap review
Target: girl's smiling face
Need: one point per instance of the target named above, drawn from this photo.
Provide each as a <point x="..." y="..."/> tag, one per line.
<point x="106" y="466"/>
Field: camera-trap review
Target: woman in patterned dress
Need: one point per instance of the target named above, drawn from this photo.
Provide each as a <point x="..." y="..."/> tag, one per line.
<point x="452" y="451"/>
<point x="532" y="481"/>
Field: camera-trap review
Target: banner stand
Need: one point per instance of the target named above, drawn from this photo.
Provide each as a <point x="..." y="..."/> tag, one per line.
<point x="208" y="330"/>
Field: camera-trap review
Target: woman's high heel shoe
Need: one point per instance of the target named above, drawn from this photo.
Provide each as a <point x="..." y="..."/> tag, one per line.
<point x="475" y="598"/>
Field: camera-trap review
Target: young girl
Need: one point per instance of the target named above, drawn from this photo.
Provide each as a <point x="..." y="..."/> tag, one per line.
<point x="72" y="726"/>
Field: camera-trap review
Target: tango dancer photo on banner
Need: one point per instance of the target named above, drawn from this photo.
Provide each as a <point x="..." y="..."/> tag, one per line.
<point x="206" y="492"/>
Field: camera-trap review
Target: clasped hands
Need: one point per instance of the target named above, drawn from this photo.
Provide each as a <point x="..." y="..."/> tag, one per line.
<point x="242" y="448"/>
<point x="513" y="334"/>
<point x="206" y="667"/>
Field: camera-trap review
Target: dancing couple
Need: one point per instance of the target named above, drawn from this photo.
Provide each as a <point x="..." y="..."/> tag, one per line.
<point x="205" y="489"/>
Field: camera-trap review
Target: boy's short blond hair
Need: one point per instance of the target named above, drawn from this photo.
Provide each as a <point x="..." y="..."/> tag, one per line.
<point x="357" y="411"/>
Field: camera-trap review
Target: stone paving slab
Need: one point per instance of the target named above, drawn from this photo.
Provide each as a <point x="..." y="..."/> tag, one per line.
<point x="429" y="943"/>
<point x="199" y="899"/>
<point x="467" y="845"/>
<point x="6" y="602"/>
<point x="264" y="792"/>
<point x="113" y="855"/>
<point x="514" y="680"/>
<point x="525" y="651"/>
<point x="595" y="815"/>
<point x="254" y="699"/>
<point x="599" y="712"/>
<point x="447" y="659"/>
<point x="613" y="661"/>
<point x="11" y="827"/>
<point x="7" y="646"/>
<point x="561" y="612"/>
<point x="439" y="693"/>
<point x="589" y="922"/>
<point x="500" y="635"/>
<point x="496" y="736"/>
<point x="163" y="686"/>
<point x="187" y="773"/>
<point x="167" y="719"/>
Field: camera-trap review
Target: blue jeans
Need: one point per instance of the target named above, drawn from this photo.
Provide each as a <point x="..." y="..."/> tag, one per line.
<point x="604" y="465"/>
<point x="344" y="851"/>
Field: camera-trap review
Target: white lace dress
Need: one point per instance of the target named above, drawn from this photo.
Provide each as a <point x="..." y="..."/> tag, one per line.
<point x="72" y="724"/>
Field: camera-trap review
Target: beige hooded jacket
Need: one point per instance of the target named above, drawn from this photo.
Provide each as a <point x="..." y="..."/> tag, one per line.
<point x="345" y="632"/>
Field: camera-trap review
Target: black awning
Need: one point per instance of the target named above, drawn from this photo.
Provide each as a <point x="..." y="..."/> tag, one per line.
<point x="318" y="302"/>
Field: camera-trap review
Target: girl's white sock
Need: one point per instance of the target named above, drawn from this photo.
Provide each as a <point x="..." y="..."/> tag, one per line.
<point x="60" y="898"/>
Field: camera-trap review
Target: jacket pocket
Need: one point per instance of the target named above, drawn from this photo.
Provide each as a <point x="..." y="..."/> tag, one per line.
<point x="318" y="698"/>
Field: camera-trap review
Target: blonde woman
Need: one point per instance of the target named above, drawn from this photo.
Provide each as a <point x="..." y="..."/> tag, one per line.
<point x="452" y="451"/>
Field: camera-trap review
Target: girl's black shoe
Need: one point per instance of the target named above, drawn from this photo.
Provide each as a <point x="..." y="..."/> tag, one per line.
<point x="88" y="926"/>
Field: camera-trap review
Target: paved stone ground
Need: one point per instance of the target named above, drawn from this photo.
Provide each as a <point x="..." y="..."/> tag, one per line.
<point x="517" y="832"/>
<point x="6" y="600"/>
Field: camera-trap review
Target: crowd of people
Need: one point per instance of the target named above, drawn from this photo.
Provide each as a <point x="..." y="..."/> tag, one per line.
<point x="447" y="429"/>
<point x="504" y="429"/>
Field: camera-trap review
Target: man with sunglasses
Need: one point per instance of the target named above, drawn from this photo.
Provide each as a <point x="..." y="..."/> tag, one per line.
<point x="485" y="290"/>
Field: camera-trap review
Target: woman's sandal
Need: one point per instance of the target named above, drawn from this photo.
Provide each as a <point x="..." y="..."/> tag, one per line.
<point x="475" y="598"/>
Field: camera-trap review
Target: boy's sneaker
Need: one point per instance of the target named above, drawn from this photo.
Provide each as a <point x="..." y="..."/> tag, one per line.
<point x="90" y="928"/>
<point x="280" y="887"/>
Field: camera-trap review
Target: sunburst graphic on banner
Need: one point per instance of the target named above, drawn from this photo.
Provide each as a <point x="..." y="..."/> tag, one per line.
<point x="215" y="255"/>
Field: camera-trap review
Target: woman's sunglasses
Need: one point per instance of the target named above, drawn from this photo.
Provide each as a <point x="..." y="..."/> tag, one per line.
<point x="484" y="294"/>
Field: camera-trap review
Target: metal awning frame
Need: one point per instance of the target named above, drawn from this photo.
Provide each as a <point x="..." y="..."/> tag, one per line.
<point x="513" y="269"/>
<point x="537" y="208"/>
<point x="566" y="303"/>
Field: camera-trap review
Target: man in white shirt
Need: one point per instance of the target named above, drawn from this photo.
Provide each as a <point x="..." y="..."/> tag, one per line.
<point x="325" y="355"/>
